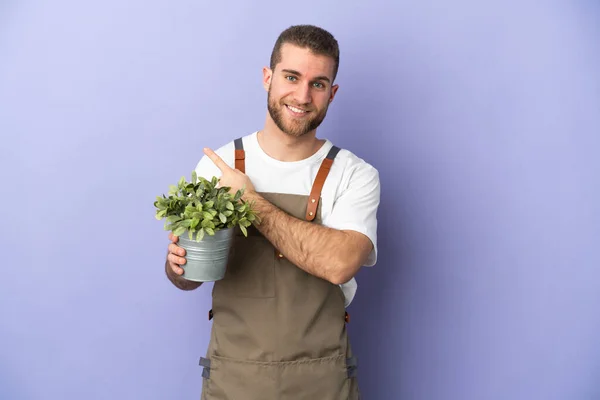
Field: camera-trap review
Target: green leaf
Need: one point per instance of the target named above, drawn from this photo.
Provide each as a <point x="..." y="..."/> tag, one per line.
<point x="161" y="214"/>
<point x="208" y="205"/>
<point x="223" y="217"/>
<point x="173" y="218"/>
<point x="210" y="231"/>
<point x="200" y="235"/>
<point x="208" y="224"/>
<point x="230" y="206"/>
<point x="190" y="209"/>
<point x="244" y="231"/>
<point x="194" y="177"/>
<point x="245" y="222"/>
<point x="194" y="223"/>
<point x="207" y="215"/>
<point x="179" y="231"/>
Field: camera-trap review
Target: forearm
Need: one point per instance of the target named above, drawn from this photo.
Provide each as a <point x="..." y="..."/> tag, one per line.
<point x="179" y="281"/>
<point x="319" y="250"/>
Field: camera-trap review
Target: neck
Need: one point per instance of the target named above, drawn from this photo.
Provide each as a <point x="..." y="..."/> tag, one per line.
<point x="283" y="147"/>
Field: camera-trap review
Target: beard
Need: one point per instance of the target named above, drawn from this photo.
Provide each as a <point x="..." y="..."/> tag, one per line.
<point x="294" y="127"/>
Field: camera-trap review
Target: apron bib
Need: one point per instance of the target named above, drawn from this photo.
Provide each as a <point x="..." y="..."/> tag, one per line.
<point x="278" y="332"/>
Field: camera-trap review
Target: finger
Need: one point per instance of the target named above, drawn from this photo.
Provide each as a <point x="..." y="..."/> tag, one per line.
<point x="176" y="269"/>
<point x="174" y="249"/>
<point x="218" y="161"/>
<point x="173" y="238"/>
<point x="175" y="259"/>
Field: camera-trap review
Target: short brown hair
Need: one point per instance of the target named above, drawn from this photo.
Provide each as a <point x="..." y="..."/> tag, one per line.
<point x="316" y="39"/>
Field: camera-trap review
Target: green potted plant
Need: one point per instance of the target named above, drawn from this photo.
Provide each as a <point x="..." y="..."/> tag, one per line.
<point x="204" y="217"/>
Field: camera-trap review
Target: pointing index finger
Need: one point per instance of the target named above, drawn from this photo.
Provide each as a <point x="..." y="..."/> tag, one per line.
<point x="222" y="165"/>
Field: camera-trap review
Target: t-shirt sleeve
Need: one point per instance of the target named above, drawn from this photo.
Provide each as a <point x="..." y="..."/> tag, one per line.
<point x="356" y="207"/>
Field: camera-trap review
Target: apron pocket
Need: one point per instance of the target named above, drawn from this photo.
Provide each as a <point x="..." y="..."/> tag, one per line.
<point x="322" y="379"/>
<point x="232" y="379"/>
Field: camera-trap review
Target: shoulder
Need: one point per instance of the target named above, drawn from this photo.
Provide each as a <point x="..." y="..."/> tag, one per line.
<point x="355" y="170"/>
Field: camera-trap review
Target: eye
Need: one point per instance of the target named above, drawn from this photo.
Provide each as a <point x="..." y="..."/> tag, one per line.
<point x="290" y="78"/>
<point x="318" y="85"/>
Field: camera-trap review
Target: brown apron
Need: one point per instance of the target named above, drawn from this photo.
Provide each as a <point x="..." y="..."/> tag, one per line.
<point x="278" y="332"/>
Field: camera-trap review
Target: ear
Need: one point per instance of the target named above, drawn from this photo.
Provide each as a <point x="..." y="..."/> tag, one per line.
<point x="267" y="76"/>
<point x="334" y="90"/>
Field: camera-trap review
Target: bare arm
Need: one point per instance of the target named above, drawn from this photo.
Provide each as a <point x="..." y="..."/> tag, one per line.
<point x="330" y="254"/>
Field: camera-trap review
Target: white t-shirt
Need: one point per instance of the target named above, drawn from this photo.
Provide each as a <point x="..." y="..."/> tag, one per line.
<point x="350" y="195"/>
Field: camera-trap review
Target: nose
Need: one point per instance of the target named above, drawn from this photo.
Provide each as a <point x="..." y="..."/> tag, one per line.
<point x="303" y="94"/>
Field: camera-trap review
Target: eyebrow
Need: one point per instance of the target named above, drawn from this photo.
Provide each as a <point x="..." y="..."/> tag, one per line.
<point x="318" y="78"/>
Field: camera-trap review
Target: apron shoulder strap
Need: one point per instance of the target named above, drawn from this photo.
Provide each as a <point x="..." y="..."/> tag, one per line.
<point x="240" y="155"/>
<point x="315" y="193"/>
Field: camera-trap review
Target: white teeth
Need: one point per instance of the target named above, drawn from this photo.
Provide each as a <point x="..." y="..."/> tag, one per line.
<point x="294" y="109"/>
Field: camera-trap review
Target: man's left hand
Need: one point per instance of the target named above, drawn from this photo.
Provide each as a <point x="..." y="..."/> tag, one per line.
<point x="233" y="178"/>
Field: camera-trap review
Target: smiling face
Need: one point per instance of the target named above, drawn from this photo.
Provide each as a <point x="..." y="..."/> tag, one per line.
<point x="300" y="89"/>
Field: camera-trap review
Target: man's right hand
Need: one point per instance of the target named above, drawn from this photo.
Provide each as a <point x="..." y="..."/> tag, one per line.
<point x="175" y="259"/>
<point x="176" y="256"/>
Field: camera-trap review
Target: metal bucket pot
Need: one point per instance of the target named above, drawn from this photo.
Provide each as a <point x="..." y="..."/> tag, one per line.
<point x="207" y="259"/>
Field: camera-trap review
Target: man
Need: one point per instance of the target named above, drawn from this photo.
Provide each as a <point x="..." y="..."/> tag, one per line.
<point x="279" y="320"/>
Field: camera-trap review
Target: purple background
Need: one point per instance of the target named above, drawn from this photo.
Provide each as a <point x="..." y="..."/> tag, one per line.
<point x="483" y="119"/>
